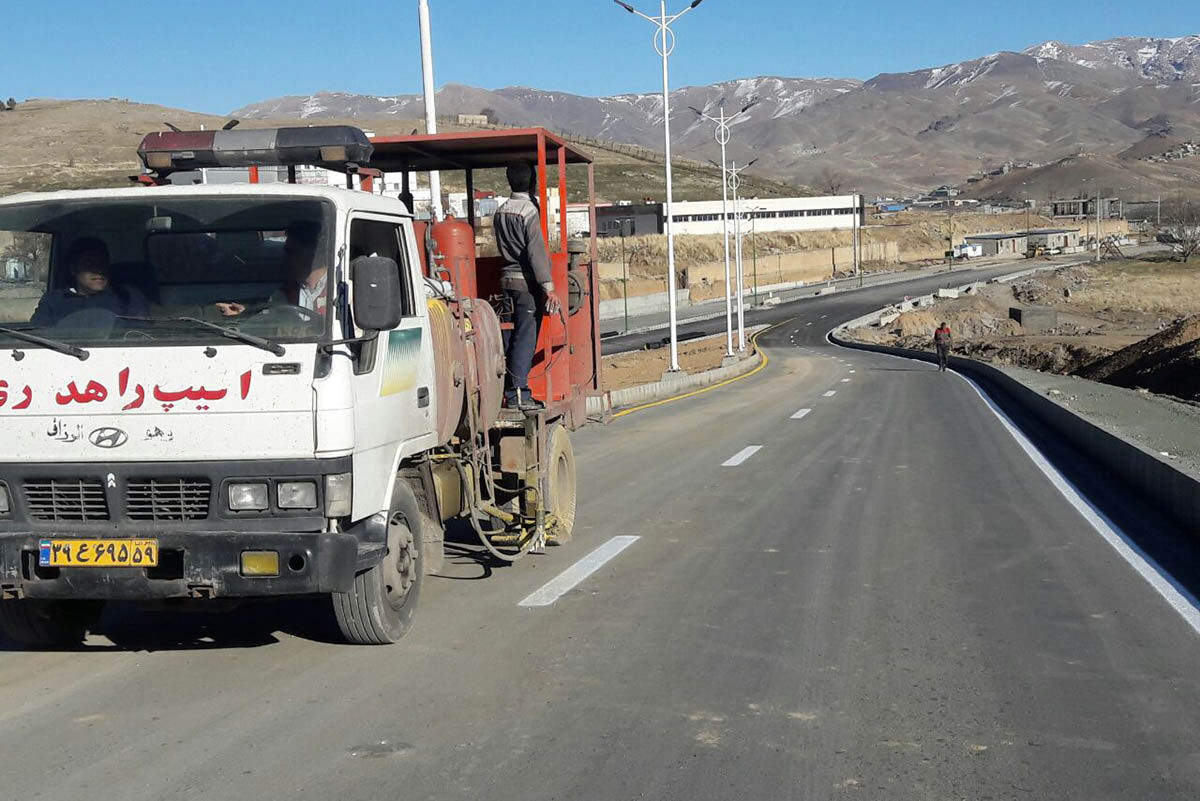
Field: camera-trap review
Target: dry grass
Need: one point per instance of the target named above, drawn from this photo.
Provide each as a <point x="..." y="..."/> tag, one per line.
<point x="647" y="366"/>
<point x="1149" y="287"/>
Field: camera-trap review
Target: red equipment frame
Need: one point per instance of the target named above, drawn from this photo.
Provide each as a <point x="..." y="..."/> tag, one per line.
<point x="566" y="365"/>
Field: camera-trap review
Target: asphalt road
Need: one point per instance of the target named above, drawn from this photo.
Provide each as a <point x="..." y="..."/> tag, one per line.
<point x="887" y="599"/>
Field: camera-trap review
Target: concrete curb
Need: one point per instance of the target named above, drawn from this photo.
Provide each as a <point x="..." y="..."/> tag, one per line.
<point x="661" y="390"/>
<point x="1174" y="491"/>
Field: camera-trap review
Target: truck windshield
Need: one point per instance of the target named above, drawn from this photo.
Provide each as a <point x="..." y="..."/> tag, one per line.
<point x="101" y="271"/>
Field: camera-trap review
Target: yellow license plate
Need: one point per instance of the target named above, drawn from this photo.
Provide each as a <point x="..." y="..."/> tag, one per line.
<point x="98" y="553"/>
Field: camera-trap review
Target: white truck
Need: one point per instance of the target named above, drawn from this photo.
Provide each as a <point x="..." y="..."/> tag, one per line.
<point x="259" y="400"/>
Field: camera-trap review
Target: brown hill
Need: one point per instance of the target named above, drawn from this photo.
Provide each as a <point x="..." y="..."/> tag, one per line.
<point x="75" y="144"/>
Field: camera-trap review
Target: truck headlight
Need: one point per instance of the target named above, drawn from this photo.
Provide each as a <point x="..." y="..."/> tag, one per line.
<point x="337" y="495"/>
<point x="5" y="504"/>
<point x="297" y="495"/>
<point x="248" y="497"/>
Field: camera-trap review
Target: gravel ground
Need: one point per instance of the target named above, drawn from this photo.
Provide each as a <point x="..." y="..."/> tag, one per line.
<point x="1155" y="422"/>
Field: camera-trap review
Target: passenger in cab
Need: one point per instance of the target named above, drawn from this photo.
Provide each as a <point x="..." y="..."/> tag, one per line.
<point x="304" y="278"/>
<point x="91" y="288"/>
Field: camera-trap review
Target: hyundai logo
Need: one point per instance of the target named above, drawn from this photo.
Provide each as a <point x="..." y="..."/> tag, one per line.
<point x="108" y="437"/>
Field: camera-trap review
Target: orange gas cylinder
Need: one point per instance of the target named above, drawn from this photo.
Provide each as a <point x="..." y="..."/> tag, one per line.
<point x="456" y="243"/>
<point x="449" y="369"/>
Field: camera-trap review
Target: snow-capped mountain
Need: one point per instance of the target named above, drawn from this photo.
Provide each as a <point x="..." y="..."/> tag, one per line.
<point x="1156" y="60"/>
<point x="893" y="132"/>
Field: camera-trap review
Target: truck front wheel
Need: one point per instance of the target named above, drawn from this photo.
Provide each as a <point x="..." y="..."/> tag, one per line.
<point x="380" y="606"/>
<point x="34" y="621"/>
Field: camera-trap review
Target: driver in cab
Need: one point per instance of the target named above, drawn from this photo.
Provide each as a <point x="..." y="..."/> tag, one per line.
<point x="91" y="288"/>
<point x="304" y="281"/>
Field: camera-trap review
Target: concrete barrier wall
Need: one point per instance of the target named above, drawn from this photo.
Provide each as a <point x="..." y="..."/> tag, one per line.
<point x="642" y="304"/>
<point x="1164" y="484"/>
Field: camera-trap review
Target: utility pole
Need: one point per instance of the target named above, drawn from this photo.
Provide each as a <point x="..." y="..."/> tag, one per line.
<point x="624" y="224"/>
<point x="754" y="250"/>
<point x="435" y="178"/>
<point x="1097" y="227"/>
<point x="855" y="228"/>
<point x="950" y="241"/>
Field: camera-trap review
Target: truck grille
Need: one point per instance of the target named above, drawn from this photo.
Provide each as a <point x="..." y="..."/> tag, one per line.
<point x="167" y="498"/>
<point x="66" y="499"/>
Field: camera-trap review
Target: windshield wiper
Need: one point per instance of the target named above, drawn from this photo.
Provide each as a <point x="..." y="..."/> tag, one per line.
<point x="52" y="344"/>
<point x="225" y="331"/>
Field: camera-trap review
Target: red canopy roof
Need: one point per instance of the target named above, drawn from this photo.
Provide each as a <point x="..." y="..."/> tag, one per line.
<point x="474" y="150"/>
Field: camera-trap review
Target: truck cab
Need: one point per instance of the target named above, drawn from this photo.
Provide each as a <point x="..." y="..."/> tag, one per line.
<point x="219" y="417"/>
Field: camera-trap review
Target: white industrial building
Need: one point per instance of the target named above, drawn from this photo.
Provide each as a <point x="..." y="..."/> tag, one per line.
<point x="770" y="214"/>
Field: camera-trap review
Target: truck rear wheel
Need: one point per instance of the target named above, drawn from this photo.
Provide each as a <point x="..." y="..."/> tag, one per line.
<point x="34" y="621"/>
<point x="379" y="608"/>
<point x="561" y="489"/>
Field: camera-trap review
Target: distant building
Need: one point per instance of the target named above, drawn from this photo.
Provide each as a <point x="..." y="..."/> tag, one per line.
<point x="999" y="244"/>
<point x="771" y="214"/>
<point x="1110" y="207"/>
<point x="1053" y="238"/>
<point x="638" y="219"/>
<point x="473" y="119"/>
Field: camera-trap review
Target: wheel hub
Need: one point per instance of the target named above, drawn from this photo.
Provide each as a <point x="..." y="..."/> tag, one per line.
<point x="401" y="562"/>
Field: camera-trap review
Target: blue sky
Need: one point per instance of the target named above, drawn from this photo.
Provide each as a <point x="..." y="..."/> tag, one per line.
<point x="218" y="55"/>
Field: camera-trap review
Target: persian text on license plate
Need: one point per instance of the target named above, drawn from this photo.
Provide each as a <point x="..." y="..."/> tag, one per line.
<point x="98" y="553"/>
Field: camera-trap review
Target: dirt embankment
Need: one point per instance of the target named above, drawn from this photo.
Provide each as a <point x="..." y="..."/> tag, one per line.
<point x="1134" y="324"/>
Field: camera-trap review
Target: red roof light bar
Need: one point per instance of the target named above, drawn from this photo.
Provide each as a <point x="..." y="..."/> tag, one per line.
<point x="331" y="146"/>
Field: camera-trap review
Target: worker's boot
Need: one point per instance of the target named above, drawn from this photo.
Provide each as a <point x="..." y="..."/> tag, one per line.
<point x="523" y="400"/>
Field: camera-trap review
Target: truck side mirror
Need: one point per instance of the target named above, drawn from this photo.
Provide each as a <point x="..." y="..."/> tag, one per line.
<point x="378" y="296"/>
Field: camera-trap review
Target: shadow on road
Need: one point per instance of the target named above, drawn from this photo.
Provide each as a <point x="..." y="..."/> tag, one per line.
<point x="205" y="625"/>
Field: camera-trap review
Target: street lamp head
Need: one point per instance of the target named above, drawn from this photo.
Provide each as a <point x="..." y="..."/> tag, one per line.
<point x="753" y="102"/>
<point x="695" y="3"/>
<point x="626" y="6"/>
<point x="751" y="164"/>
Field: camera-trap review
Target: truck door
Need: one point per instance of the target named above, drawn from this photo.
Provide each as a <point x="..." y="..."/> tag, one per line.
<point x="393" y="406"/>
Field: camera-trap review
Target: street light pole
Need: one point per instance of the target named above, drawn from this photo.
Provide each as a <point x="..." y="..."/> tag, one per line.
<point x="735" y="181"/>
<point x="664" y="44"/>
<point x="723" y="136"/>
<point x="435" y="177"/>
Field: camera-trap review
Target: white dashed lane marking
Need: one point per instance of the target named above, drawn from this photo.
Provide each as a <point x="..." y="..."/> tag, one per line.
<point x="830" y="393"/>
<point x="570" y="578"/>
<point x="800" y="415"/>
<point x="741" y="456"/>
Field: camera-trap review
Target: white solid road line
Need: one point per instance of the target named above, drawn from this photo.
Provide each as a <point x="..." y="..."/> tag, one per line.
<point x="800" y="415"/>
<point x="741" y="456"/>
<point x="1179" y="598"/>
<point x="830" y="393"/>
<point x="567" y="580"/>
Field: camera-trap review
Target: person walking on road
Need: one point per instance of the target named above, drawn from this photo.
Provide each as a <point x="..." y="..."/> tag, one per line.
<point x="941" y="341"/>
<point x="525" y="280"/>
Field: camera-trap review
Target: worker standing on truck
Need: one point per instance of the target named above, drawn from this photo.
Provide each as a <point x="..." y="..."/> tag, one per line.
<point x="941" y="341"/>
<point x="525" y="279"/>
